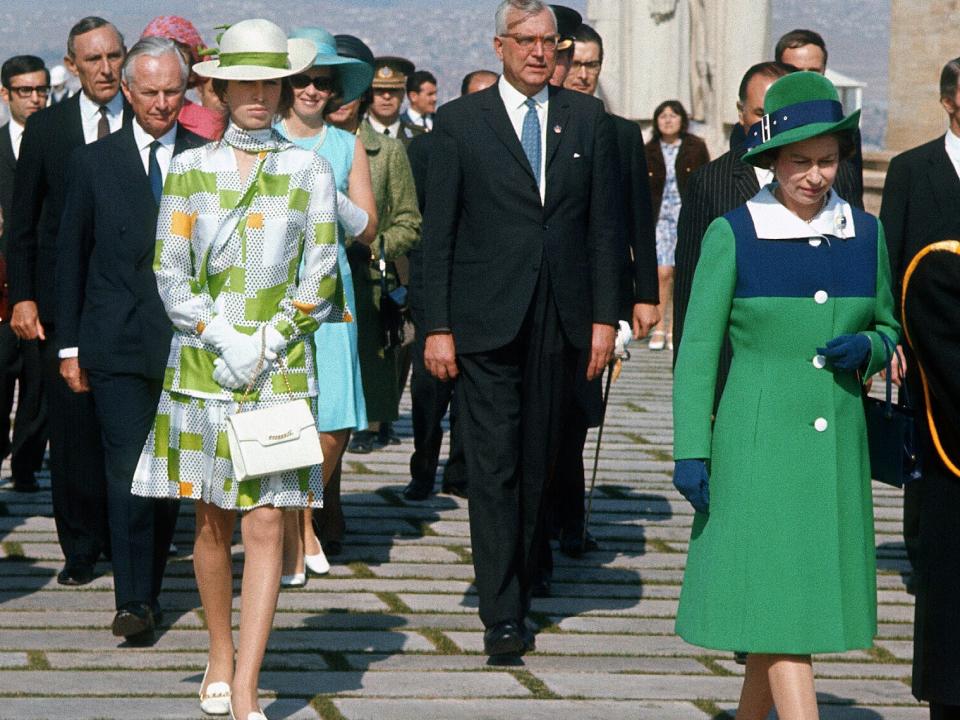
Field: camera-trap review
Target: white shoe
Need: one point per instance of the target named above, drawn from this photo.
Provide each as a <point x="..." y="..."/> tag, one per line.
<point x="657" y="340"/>
<point x="317" y="564"/>
<point x="215" y="697"/>
<point x="295" y="580"/>
<point x="255" y="715"/>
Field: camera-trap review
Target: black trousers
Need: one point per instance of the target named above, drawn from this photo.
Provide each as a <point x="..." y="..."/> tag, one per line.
<point x="77" y="476"/>
<point x="20" y="360"/>
<point x="936" y="636"/>
<point x="430" y="399"/>
<point x="512" y="399"/>
<point x="140" y="528"/>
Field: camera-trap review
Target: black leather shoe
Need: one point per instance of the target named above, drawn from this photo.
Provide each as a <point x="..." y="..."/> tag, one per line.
<point x="75" y="575"/>
<point x="386" y="435"/>
<point x="505" y="638"/>
<point x="740" y="657"/>
<point x="417" y="490"/>
<point x="459" y="491"/>
<point x="529" y="638"/>
<point x="134" y="622"/>
<point x="25" y="484"/>
<point x="361" y="442"/>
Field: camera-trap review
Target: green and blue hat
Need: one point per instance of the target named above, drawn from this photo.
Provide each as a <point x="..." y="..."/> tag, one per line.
<point x="798" y="106"/>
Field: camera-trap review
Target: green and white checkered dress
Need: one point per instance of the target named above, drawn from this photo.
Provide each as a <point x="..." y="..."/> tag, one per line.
<point x="272" y="261"/>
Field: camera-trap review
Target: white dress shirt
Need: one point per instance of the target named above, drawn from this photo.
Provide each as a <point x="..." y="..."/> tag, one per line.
<point x="515" y="103"/>
<point x="394" y="127"/>
<point x="16" y="137"/>
<point x="164" y="155"/>
<point x="952" y="143"/>
<point x="164" y="152"/>
<point x="90" y="115"/>
<point x="424" y="121"/>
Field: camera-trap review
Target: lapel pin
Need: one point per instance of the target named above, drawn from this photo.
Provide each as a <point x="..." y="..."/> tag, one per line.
<point x="557" y="129"/>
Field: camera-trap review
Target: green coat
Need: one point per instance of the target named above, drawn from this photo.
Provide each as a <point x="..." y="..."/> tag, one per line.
<point x="399" y="228"/>
<point x="785" y="561"/>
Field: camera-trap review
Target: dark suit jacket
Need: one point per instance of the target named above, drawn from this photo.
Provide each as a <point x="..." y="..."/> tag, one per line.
<point x="8" y="170"/>
<point x="714" y="190"/>
<point x="486" y="232"/>
<point x="418" y="153"/>
<point x="643" y="285"/>
<point x="107" y="300"/>
<point x="692" y="154"/>
<point x="921" y="205"/>
<point x="39" y="191"/>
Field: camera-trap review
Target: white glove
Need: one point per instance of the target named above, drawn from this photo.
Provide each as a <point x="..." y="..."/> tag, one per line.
<point x="224" y="377"/>
<point x="354" y="219"/>
<point x="624" y="336"/>
<point x="241" y="353"/>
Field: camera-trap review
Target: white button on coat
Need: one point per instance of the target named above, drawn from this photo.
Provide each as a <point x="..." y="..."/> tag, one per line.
<point x="820" y="297"/>
<point x="819" y="362"/>
<point x="815" y="242"/>
<point x="820" y="424"/>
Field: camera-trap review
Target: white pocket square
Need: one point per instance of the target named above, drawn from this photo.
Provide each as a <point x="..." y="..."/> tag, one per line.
<point x="576" y="155"/>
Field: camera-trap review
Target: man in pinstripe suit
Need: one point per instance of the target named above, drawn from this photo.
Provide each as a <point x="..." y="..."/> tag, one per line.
<point x="726" y="183"/>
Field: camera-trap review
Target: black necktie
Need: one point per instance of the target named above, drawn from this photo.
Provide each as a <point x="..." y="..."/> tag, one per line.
<point x="154" y="174"/>
<point x="103" y="126"/>
<point x="386" y="131"/>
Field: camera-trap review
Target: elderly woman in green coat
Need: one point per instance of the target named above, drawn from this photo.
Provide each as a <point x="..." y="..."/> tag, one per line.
<point x="782" y="561"/>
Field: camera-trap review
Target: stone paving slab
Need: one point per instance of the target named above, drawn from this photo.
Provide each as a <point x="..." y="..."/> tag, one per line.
<point x="534" y="663"/>
<point x="45" y="708"/>
<point x="526" y="709"/>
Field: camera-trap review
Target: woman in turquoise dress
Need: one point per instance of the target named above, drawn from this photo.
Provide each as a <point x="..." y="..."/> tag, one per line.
<point x="782" y="559"/>
<point x="341" y="406"/>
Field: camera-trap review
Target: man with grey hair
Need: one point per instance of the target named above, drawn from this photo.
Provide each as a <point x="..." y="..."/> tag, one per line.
<point x="95" y="53"/>
<point x="523" y="249"/>
<point x="113" y="335"/>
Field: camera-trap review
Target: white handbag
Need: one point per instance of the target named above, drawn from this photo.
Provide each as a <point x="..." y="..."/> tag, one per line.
<point x="274" y="439"/>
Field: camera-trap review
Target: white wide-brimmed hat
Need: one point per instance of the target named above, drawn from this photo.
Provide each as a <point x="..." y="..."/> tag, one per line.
<point x="257" y="50"/>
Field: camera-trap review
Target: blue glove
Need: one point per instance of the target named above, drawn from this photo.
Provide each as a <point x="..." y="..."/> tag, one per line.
<point x="847" y="352"/>
<point x="690" y="477"/>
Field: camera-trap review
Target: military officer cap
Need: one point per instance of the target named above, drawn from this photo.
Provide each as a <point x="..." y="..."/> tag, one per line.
<point x="391" y="72"/>
<point x="568" y="20"/>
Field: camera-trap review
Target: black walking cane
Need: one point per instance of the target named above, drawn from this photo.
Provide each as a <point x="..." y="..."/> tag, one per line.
<point x="596" y="453"/>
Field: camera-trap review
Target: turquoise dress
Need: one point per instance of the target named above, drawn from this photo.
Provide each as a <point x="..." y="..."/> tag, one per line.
<point x="340" y="401"/>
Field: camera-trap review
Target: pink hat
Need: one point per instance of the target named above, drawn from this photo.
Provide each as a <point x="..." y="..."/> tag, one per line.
<point x="177" y="29"/>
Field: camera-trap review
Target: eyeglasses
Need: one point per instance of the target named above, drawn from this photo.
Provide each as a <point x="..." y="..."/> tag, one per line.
<point x="592" y="67"/>
<point x="25" y="91"/>
<point x="526" y="42"/>
<point x="322" y="83"/>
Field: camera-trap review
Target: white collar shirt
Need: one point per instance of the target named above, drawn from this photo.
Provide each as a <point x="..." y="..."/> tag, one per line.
<point x="393" y="129"/>
<point x="515" y="103"/>
<point x="773" y="221"/>
<point x="16" y="137"/>
<point x="143" y="141"/>
<point x="952" y="144"/>
<point x="90" y="116"/>
<point x="424" y="121"/>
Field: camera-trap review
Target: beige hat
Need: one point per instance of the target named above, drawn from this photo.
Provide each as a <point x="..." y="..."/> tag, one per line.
<point x="257" y="50"/>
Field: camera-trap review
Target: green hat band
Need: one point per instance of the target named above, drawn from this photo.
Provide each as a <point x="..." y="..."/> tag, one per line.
<point x="790" y="117"/>
<point x="280" y="61"/>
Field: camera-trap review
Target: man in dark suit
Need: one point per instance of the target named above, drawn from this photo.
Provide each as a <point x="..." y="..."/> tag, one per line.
<point x="639" y="301"/>
<point x="95" y="53"/>
<point x="26" y="85"/>
<point x="429" y="396"/>
<point x="422" y="99"/>
<point x="523" y="248"/>
<point x="112" y="328"/>
<point x="723" y="184"/>
<point x="921" y="206"/>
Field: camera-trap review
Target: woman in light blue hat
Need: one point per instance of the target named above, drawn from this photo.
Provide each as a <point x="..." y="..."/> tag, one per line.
<point x="341" y="407"/>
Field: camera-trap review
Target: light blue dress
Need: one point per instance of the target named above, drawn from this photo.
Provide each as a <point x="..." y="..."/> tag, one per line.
<point x="340" y="401"/>
<point x="669" y="208"/>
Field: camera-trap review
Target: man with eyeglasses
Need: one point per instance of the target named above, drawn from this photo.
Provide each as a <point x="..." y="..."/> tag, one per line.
<point x="26" y="84"/>
<point x="523" y="245"/>
<point x="95" y="52"/>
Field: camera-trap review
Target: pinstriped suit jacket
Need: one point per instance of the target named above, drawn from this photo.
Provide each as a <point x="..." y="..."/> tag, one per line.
<point x="713" y="190"/>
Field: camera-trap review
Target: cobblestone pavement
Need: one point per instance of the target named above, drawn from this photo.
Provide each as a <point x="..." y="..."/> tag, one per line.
<point x="392" y="633"/>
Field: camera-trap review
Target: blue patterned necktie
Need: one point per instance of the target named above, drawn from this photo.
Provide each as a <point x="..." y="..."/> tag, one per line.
<point x="154" y="174"/>
<point x="530" y="137"/>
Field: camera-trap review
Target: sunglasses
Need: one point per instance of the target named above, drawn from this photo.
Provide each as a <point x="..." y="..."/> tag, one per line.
<point x="321" y="83"/>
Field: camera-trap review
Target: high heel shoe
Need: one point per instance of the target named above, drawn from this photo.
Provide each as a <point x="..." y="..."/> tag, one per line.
<point x="295" y="580"/>
<point x="317" y="564"/>
<point x="215" y="697"/>
<point x="657" y="340"/>
<point x="669" y="341"/>
<point x="254" y="715"/>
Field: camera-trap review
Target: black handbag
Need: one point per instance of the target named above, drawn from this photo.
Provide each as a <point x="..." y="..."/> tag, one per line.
<point x="393" y="305"/>
<point x="891" y="435"/>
